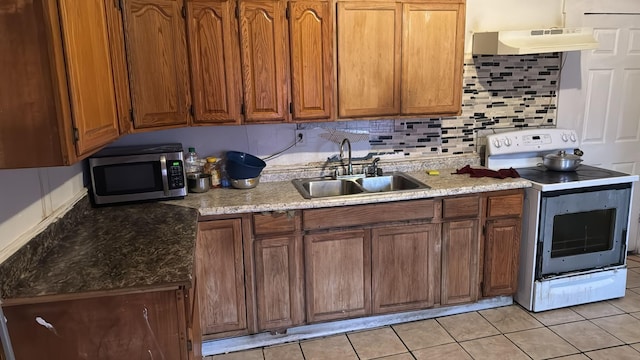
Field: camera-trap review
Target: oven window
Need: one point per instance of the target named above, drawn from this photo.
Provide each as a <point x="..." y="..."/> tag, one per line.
<point x="583" y="232"/>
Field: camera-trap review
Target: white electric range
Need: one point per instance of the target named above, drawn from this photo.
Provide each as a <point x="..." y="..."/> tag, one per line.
<point x="574" y="234"/>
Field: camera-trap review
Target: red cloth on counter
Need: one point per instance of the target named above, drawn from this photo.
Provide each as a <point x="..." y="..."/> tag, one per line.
<point x="500" y="174"/>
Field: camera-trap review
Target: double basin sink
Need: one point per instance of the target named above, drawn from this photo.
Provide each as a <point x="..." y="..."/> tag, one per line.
<point x="312" y="188"/>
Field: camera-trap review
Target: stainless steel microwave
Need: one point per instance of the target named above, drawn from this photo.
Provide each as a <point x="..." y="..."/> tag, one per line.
<point x="137" y="173"/>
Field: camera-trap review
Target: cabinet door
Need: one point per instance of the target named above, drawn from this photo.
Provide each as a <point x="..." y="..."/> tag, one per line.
<point x="338" y="275"/>
<point x="501" y="251"/>
<point x="215" y="61"/>
<point x="90" y="73"/>
<point x="57" y="82"/>
<point x="134" y="326"/>
<point x="369" y="36"/>
<point x="311" y="38"/>
<point x="157" y="58"/>
<point x="220" y="277"/>
<point x="405" y="267"/>
<point x="263" y="48"/>
<point x="432" y="58"/>
<point x="279" y="282"/>
<point x="460" y="249"/>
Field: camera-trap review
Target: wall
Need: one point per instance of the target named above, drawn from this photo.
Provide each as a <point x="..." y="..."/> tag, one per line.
<point x="32" y="197"/>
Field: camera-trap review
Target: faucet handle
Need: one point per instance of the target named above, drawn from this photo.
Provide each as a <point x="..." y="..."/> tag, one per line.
<point x="372" y="168"/>
<point x="375" y="170"/>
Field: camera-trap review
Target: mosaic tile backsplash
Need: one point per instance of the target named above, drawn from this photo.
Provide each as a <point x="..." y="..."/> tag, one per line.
<point x="499" y="92"/>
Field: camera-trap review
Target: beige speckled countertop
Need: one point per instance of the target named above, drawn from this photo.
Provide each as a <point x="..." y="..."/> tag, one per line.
<point x="145" y="245"/>
<point x="282" y="195"/>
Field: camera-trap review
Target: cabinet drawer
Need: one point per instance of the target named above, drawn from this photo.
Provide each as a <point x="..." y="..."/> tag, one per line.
<point x="275" y="223"/>
<point x="367" y="214"/>
<point x="504" y="205"/>
<point x="468" y="206"/>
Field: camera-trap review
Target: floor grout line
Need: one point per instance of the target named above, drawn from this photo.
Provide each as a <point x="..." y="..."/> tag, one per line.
<point x="500" y="333"/>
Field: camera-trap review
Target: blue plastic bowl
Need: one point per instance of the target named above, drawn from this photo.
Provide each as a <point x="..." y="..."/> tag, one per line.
<point x="243" y="166"/>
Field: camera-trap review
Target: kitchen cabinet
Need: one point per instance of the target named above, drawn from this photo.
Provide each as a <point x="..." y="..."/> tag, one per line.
<point x="263" y="55"/>
<point x="385" y="252"/>
<point x="405" y="267"/>
<point x="58" y="99"/>
<point x="215" y="61"/>
<point x="432" y="58"/>
<point x="127" y="326"/>
<point x="460" y="249"/>
<point x="400" y="58"/>
<point x="157" y="62"/>
<point x="338" y="275"/>
<point x="502" y="232"/>
<point x="311" y="43"/>
<point x="280" y="76"/>
<point x="278" y="270"/>
<point x="220" y="278"/>
<point x="369" y="58"/>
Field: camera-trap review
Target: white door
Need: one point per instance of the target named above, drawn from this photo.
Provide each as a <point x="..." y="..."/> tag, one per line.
<point x="600" y="91"/>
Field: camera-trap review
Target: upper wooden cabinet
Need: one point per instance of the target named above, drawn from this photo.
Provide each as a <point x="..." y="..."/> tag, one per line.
<point x="400" y="58"/>
<point x="432" y="58"/>
<point x="311" y="41"/>
<point x="263" y="53"/>
<point x="215" y="61"/>
<point x="157" y="62"/>
<point x="369" y="58"/>
<point x="57" y="95"/>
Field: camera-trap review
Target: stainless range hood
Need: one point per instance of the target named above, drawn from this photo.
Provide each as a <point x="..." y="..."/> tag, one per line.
<point x="520" y="42"/>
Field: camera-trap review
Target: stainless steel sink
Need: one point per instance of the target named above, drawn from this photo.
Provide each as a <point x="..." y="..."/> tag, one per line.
<point x="329" y="187"/>
<point x="393" y="182"/>
<point x="355" y="186"/>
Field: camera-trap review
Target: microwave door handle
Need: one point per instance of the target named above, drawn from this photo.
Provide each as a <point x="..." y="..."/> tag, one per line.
<point x="163" y="170"/>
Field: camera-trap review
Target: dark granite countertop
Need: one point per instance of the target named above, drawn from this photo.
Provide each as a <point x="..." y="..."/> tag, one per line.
<point x="127" y="247"/>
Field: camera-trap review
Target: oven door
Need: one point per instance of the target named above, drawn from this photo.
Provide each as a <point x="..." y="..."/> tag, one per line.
<point x="583" y="229"/>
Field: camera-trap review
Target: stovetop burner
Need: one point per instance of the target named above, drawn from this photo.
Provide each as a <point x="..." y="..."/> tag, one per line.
<point x="542" y="175"/>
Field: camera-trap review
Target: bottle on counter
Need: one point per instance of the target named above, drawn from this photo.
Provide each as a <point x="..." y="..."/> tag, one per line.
<point x="192" y="163"/>
<point x="224" y="177"/>
<point x="212" y="166"/>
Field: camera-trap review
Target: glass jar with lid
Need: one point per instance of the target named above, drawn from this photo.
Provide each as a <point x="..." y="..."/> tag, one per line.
<point x="212" y="166"/>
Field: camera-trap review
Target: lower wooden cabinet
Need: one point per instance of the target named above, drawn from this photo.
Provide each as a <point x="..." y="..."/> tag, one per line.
<point x="405" y="267"/>
<point x="460" y="250"/>
<point x="272" y="271"/>
<point x="149" y="325"/>
<point x="279" y="292"/>
<point x="502" y="232"/>
<point x="502" y="248"/>
<point x="220" y="279"/>
<point x="338" y="275"/>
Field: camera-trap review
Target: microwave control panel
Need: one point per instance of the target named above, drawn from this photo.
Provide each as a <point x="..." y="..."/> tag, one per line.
<point x="175" y="173"/>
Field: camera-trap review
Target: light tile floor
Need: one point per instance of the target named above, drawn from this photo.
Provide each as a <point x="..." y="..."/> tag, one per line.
<point x="603" y="330"/>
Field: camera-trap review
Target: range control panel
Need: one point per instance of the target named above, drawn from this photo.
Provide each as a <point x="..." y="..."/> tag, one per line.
<point x="531" y="140"/>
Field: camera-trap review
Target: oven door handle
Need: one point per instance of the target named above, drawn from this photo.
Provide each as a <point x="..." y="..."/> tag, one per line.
<point x="163" y="170"/>
<point x="623" y="247"/>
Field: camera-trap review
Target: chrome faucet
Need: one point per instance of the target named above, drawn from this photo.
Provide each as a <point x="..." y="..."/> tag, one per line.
<point x="349" y="164"/>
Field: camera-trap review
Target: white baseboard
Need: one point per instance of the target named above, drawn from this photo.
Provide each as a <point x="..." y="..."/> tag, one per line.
<point x="222" y="346"/>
